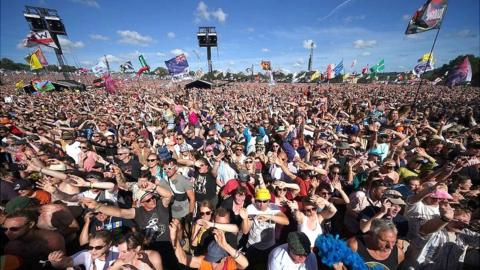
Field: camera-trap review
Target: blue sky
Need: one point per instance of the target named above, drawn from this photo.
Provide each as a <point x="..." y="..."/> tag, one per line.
<point x="248" y="32"/>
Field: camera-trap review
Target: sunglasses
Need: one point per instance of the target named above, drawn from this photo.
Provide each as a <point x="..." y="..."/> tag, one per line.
<point x="282" y="189"/>
<point x="149" y="200"/>
<point x="95" y="248"/>
<point x="249" y="161"/>
<point x="83" y="147"/>
<point x="169" y="168"/>
<point x="151" y="160"/>
<point x="13" y="229"/>
<point x="262" y="201"/>
<point x="205" y="213"/>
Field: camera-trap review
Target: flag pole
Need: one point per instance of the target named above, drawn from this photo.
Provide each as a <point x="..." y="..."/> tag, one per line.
<point x="424" y="69"/>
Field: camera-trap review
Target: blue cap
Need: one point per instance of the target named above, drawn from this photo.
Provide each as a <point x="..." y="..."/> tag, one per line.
<point x="215" y="253"/>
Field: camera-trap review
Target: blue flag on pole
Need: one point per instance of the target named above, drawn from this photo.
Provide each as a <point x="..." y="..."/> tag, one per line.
<point x="338" y="69"/>
<point x="177" y="65"/>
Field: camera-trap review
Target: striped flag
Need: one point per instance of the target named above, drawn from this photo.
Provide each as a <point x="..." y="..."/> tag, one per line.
<point x="339" y="68"/>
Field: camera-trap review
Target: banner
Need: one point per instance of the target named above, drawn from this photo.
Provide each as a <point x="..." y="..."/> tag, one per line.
<point x="460" y="74"/>
<point x="41" y="57"/>
<point x="142" y="61"/>
<point x="266" y="65"/>
<point x="19" y="85"/>
<point x="421" y="68"/>
<point x="177" y="65"/>
<point x="34" y="62"/>
<point x="315" y="76"/>
<point x="43" y="86"/>
<point x="338" y="68"/>
<point x="427" y="56"/>
<point x="39" y="38"/>
<point x="126" y="66"/>
<point x="378" y="67"/>
<point x="330" y="71"/>
<point x="427" y="17"/>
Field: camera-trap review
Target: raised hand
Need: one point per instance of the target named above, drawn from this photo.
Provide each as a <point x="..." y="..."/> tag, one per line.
<point x="46" y="185"/>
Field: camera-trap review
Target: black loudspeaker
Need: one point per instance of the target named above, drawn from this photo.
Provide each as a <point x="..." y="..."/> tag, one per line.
<point x="36" y="24"/>
<point x="56" y="26"/>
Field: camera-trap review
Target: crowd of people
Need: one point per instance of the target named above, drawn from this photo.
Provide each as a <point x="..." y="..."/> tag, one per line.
<point x="242" y="176"/>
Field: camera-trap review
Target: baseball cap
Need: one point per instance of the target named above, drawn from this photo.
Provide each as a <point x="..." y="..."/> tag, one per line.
<point x="22" y="184"/>
<point x="243" y="176"/>
<point x="214" y="252"/>
<point x="298" y="243"/>
<point x="17" y="204"/>
<point x="440" y="194"/>
<point x="262" y="194"/>
<point x="140" y="194"/>
<point x="394" y="197"/>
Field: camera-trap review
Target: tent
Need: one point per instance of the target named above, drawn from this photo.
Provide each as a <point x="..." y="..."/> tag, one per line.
<point x="199" y="84"/>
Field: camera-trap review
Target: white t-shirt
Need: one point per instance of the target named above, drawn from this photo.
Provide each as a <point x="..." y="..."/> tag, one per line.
<point x="262" y="233"/>
<point x="85" y="258"/>
<point x="73" y="150"/>
<point x="417" y="214"/>
<point x="280" y="260"/>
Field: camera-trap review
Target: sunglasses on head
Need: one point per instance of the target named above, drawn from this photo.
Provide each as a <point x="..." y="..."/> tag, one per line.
<point x="149" y="200"/>
<point x="95" y="248"/>
<point x="205" y="213"/>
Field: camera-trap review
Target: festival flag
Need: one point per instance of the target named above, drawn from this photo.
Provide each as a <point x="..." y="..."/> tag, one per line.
<point x="266" y="65"/>
<point x="460" y="74"/>
<point x="338" y="68"/>
<point x="354" y="62"/>
<point x="99" y="69"/>
<point x="43" y="86"/>
<point x="19" y="85"/>
<point x="427" y="57"/>
<point x="365" y="69"/>
<point x="34" y="62"/>
<point x="110" y="86"/>
<point x="39" y="38"/>
<point x="330" y="71"/>
<point x="177" y="65"/>
<point x="427" y="17"/>
<point x="41" y="57"/>
<point x="378" y="67"/>
<point x="421" y="68"/>
<point x="126" y="66"/>
<point x="315" y="76"/>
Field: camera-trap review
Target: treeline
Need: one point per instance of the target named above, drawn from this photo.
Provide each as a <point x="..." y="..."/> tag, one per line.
<point x="8" y="64"/>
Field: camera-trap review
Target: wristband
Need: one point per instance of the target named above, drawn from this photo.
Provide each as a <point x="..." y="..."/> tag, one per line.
<point x="237" y="254"/>
<point x="91" y="185"/>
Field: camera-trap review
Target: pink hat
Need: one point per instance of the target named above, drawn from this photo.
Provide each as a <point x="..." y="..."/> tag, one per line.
<point x="440" y="194"/>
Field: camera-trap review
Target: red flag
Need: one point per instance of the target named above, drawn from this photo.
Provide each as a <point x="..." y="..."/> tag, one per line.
<point x="40" y="38"/>
<point x="41" y="57"/>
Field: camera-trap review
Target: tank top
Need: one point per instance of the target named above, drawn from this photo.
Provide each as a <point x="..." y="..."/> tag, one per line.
<point x="311" y="234"/>
<point x="390" y="263"/>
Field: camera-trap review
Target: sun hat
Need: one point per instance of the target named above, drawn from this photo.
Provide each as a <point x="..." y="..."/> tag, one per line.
<point x="262" y="194"/>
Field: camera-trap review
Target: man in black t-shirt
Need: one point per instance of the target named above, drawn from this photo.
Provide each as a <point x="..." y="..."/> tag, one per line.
<point x="204" y="184"/>
<point x="130" y="166"/>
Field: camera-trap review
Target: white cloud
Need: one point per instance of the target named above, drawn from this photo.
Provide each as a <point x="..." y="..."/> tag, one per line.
<point x="360" y="43"/>
<point x="70" y="44"/>
<point x="465" y="33"/>
<point x="133" y="37"/>
<point x="110" y="58"/>
<point x="98" y="37"/>
<point x="159" y="54"/>
<point x="250" y="29"/>
<point x="406" y="17"/>
<point x="231" y="63"/>
<point x="171" y="35"/>
<point x="90" y="3"/>
<point x="178" y="51"/>
<point x="366" y="53"/>
<point x="220" y="15"/>
<point x="265" y="50"/>
<point x="308" y="43"/>
<point x="350" y="19"/>
<point x="202" y="13"/>
<point x="20" y="45"/>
